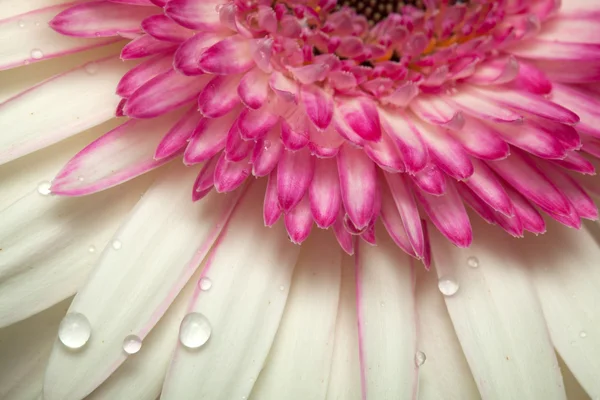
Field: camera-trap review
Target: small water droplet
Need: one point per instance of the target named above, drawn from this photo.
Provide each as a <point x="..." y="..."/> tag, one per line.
<point x="582" y="334"/>
<point x="37" y="23"/>
<point x="473" y="262"/>
<point x="44" y="188"/>
<point x="91" y="68"/>
<point x="205" y="284"/>
<point x="448" y="286"/>
<point x="116" y="244"/>
<point x="80" y="178"/>
<point x="267" y="144"/>
<point x="282" y="288"/>
<point x="420" y="358"/>
<point x="21" y="23"/>
<point x="194" y="331"/>
<point x="92" y="249"/>
<point x="74" y="330"/>
<point x="37" y="54"/>
<point x="132" y="344"/>
<point x="382" y="304"/>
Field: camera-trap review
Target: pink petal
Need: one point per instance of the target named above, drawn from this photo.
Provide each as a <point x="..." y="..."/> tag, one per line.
<point x="487" y="187"/>
<point x="385" y="154"/>
<point x="343" y="237"/>
<point x="318" y="105"/>
<point x="254" y="124"/>
<point x="298" y="221"/>
<point x="393" y="222"/>
<point x="324" y="193"/>
<point x="187" y="56"/>
<point x="142" y="73"/>
<point x="219" y="96"/>
<point x="266" y="153"/>
<point x="145" y="46"/>
<point x="205" y="180"/>
<point x="433" y="109"/>
<point x="163" y="28"/>
<point x="230" y="175"/>
<point x="193" y="14"/>
<point x="294" y="174"/>
<point x="407" y="138"/>
<point x="481" y="140"/>
<point x="177" y="137"/>
<point x="271" y="207"/>
<point x="253" y="89"/>
<point x="362" y="116"/>
<point x="231" y="55"/>
<point x="209" y="138"/>
<point x="531" y="138"/>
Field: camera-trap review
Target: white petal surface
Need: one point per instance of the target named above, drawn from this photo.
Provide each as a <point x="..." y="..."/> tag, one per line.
<point x="300" y="359"/>
<point x="28" y="38"/>
<point x="10" y="8"/>
<point x="49" y="244"/>
<point x="344" y="380"/>
<point x="25" y="348"/>
<point x="498" y="319"/>
<point x="445" y="373"/>
<point x="566" y="273"/>
<point x="152" y="256"/>
<point x="244" y="306"/>
<point x="386" y="321"/>
<point x="141" y="376"/>
<point x="58" y="108"/>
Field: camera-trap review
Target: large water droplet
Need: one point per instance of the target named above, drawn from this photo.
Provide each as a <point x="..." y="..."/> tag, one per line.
<point x="44" y="188"/>
<point x="116" y="244"/>
<point x="132" y="344"/>
<point x="194" y="331"/>
<point x="448" y="286"/>
<point x="205" y="284"/>
<point x="37" y="54"/>
<point x="473" y="262"/>
<point x="74" y="330"/>
<point x="420" y="358"/>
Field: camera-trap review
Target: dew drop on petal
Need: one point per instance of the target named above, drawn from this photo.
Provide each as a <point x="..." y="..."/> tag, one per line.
<point x="282" y="288"/>
<point x="37" y="54"/>
<point x="74" y="330"/>
<point x="91" y="68"/>
<point x="473" y="262"/>
<point x="448" y="286"/>
<point x="92" y="249"/>
<point x="21" y="24"/>
<point x="582" y="334"/>
<point x="116" y="244"/>
<point x="80" y="178"/>
<point x="420" y="358"/>
<point x="44" y="188"/>
<point x="194" y="331"/>
<point x="132" y="344"/>
<point x="205" y="284"/>
<point x="267" y="144"/>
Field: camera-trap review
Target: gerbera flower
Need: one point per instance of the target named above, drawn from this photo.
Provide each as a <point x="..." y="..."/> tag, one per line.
<point x="377" y="121"/>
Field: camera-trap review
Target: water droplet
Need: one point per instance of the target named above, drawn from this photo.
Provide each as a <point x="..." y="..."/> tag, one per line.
<point x="74" y="330"/>
<point x="91" y="68"/>
<point x="44" y="188"/>
<point x="420" y="358"/>
<point x="382" y="304"/>
<point x="37" y="23"/>
<point x="473" y="262"/>
<point x="116" y="244"/>
<point x="582" y="334"/>
<point x="21" y="24"/>
<point x="205" y="284"/>
<point x="267" y="144"/>
<point x="282" y="288"/>
<point x="448" y="286"/>
<point x="80" y="178"/>
<point x="132" y="344"/>
<point x="92" y="249"/>
<point x="37" y="54"/>
<point x="194" y="331"/>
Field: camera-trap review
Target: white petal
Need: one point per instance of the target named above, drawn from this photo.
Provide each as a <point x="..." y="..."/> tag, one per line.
<point x="244" y="306"/>
<point x="13" y="8"/>
<point x="300" y="359"/>
<point x="498" y="319"/>
<point x="45" y="239"/>
<point x="572" y="387"/>
<point x="141" y="376"/>
<point x="445" y="373"/>
<point x="344" y="380"/>
<point x="564" y="264"/>
<point x="25" y="348"/>
<point x="386" y="321"/>
<point x="58" y="108"/>
<point x="28" y="38"/>
<point x="163" y="240"/>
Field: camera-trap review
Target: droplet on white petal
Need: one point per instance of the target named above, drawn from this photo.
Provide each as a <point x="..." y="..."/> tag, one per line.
<point x="194" y="331"/>
<point x="132" y="344"/>
<point x="448" y="286"/>
<point x="74" y="330"/>
<point x="37" y="54"/>
<point x="44" y="188"/>
<point x="91" y="68"/>
<point x="205" y="284"/>
<point x="92" y="249"/>
<point x="116" y="244"/>
<point x="420" y="358"/>
<point x="473" y="262"/>
<point x="582" y="334"/>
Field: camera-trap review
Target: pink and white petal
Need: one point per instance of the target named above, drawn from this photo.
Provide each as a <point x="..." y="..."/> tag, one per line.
<point x="162" y="27"/>
<point x="49" y="113"/>
<point x="385" y="302"/>
<point x="25" y="348"/>
<point x="219" y="96"/>
<point x="145" y="46"/>
<point x="324" y="193"/>
<point x="392" y="221"/>
<point x="249" y="267"/>
<point x="267" y="153"/>
<point x="318" y="105"/>
<point x="141" y="377"/>
<point x="255" y="124"/>
<point x="142" y="73"/>
<point x="254" y="88"/>
<point x="163" y="93"/>
<point x="407" y="139"/>
<point x="445" y="373"/>
<point x="498" y="318"/>
<point x="430" y="180"/>
<point x="532" y="138"/>
<point x="37" y="41"/>
<point x="294" y="173"/>
<point x="485" y="184"/>
<point x="472" y="102"/>
<point x="344" y="238"/>
<point x="584" y="104"/>
<point x="209" y="138"/>
<point x="159" y="263"/>
<point x="564" y="272"/>
<point x="299" y="221"/>
<point x="358" y="183"/>
<point x="344" y="378"/>
<point x="195" y="15"/>
<point x="116" y="157"/>
<point x="556" y="50"/>
<point x="271" y="207"/>
<point x="100" y="18"/>
<point x="480" y="140"/>
<point x="308" y="322"/>
<point x="231" y="55"/>
<point x="188" y="54"/>
<point x="362" y="116"/>
<point x="230" y="175"/>
<point x="177" y="137"/>
<point x="434" y="110"/>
